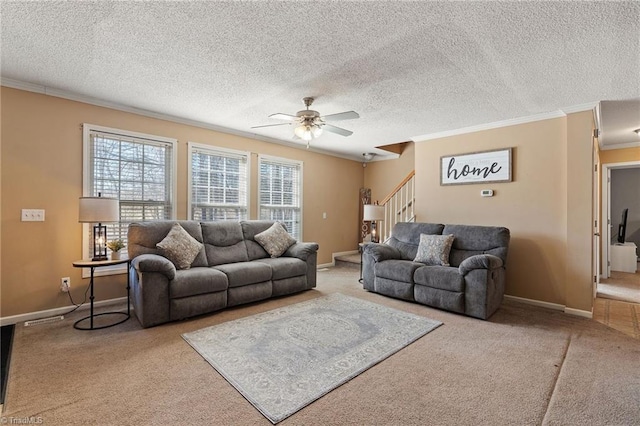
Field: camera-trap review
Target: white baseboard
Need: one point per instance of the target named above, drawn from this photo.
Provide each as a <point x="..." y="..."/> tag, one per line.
<point x="14" y="319"/>
<point x="549" y="305"/>
<point x="578" y="313"/>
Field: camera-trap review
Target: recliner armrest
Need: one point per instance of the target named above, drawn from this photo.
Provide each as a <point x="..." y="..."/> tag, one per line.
<point x="154" y="263"/>
<point x="480" y="261"/>
<point x="301" y="250"/>
<point x="381" y="252"/>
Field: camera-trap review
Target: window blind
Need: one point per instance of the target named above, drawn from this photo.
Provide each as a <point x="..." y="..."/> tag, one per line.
<point x="280" y="188"/>
<point x="218" y="184"/>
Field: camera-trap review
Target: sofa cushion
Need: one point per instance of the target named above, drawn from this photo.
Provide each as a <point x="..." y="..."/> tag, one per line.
<point x="434" y="249"/>
<point x="405" y="236"/>
<point x="397" y="270"/>
<point x="275" y="240"/>
<point x="194" y="281"/>
<point x="245" y="273"/>
<point x="472" y="240"/>
<point x="442" y="277"/>
<point x="224" y="242"/>
<point x="284" y="267"/>
<point x="142" y="237"/>
<point x="179" y="247"/>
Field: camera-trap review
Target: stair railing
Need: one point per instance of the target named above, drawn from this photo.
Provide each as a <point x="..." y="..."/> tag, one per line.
<point x="398" y="206"/>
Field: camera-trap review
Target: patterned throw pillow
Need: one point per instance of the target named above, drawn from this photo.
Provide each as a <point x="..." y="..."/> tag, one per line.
<point x="275" y="240"/>
<point x="179" y="247"/>
<point x="434" y="249"/>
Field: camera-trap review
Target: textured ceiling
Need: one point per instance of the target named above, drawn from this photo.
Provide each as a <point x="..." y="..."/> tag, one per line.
<point x="408" y="68"/>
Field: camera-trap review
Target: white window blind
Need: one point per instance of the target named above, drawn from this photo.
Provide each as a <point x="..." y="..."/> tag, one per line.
<point x="137" y="169"/>
<point x="218" y="183"/>
<point x="280" y="192"/>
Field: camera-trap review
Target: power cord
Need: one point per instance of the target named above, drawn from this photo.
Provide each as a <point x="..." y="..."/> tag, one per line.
<point x="74" y="303"/>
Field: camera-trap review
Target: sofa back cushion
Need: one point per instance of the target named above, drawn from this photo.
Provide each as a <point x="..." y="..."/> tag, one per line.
<point x="471" y="240"/>
<point x="249" y="230"/>
<point x="142" y="237"/>
<point x="223" y="242"/>
<point x="405" y="236"/>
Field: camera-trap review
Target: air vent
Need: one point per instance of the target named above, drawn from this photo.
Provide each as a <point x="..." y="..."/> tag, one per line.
<point x="43" y="321"/>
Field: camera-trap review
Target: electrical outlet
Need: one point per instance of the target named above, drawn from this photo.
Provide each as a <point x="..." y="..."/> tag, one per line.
<point x="65" y="284"/>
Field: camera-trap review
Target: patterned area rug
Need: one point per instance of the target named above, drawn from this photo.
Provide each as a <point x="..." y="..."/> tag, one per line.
<point x="285" y="359"/>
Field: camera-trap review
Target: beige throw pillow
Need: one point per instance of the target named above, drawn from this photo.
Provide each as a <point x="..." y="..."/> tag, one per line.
<point x="434" y="250"/>
<point x="179" y="247"/>
<point x="275" y="240"/>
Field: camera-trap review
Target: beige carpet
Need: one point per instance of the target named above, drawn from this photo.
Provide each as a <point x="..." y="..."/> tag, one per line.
<point x="525" y="366"/>
<point x="621" y="286"/>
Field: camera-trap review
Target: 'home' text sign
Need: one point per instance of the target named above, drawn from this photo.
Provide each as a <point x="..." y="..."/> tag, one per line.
<point x="477" y="167"/>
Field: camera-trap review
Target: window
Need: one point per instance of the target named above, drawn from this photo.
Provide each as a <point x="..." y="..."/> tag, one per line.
<point x="137" y="169"/>
<point x="280" y="192"/>
<point x="218" y="183"/>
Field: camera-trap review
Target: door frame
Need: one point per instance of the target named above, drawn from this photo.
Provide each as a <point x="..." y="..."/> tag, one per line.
<point x="606" y="212"/>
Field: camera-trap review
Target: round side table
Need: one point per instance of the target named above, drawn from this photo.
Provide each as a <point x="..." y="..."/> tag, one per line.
<point x="93" y="264"/>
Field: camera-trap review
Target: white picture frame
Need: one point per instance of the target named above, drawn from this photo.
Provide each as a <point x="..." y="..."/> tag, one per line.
<point x="476" y="167"/>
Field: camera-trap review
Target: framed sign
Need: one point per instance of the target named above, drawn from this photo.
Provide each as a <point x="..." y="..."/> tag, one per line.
<point x="476" y="167"/>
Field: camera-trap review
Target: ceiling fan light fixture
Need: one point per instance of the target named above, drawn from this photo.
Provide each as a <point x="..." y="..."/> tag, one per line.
<point x="308" y="131"/>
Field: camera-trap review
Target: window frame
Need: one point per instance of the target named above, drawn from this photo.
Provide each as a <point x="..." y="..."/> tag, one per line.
<point x="194" y="146"/>
<point x="87" y="159"/>
<point x="284" y="161"/>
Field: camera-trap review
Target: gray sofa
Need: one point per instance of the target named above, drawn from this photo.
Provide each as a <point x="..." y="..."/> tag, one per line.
<point x="230" y="269"/>
<point x="473" y="284"/>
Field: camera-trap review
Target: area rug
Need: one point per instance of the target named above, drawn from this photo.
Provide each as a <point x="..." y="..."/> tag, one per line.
<point x="284" y="359"/>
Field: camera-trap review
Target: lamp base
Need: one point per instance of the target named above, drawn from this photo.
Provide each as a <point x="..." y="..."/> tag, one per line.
<point x="97" y="258"/>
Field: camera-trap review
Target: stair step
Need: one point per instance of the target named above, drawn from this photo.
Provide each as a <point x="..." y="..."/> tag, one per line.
<point x="349" y="261"/>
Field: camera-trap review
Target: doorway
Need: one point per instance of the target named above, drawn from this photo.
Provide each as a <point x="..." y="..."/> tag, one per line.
<point x="620" y="280"/>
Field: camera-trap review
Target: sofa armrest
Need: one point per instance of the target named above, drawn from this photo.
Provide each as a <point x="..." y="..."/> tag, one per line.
<point x="301" y="250"/>
<point x="380" y="252"/>
<point x="154" y="263"/>
<point x="480" y="261"/>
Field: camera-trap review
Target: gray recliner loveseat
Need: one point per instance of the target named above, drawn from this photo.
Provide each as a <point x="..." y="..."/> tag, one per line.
<point x="231" y="268"/>
<point x="472" y="284"/>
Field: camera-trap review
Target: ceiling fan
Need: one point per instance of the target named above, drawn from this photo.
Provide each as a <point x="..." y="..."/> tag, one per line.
<point x="310" y="124"/>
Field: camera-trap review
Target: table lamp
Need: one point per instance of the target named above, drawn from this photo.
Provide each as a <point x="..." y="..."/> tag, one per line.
<point x="373" y="213"/>
<point x="98" y="210"/>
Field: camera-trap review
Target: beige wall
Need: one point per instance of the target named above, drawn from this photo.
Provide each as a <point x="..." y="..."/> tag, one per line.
<point x="537" y="206"/>
<point x="382" y="177"/>
<point x="619" y="155"/>
<point x="42" y="168"/>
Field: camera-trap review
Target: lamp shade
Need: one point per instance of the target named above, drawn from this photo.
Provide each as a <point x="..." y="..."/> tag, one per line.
<point x="98" y="210"/>
<point x="373" y="212"/>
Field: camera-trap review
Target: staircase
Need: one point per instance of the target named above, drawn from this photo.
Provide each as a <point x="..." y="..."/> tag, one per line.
<point x="398" y="206"/>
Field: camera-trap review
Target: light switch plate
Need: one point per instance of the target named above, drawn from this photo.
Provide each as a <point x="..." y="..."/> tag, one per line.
<point x="33" y="215"/>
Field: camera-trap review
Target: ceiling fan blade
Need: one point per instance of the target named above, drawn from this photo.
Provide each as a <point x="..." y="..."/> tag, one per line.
<point x="271" y="125"/>
<point x="281" y="116"/>
<point x="347" y="115"/>
<point x="338" y="130"/>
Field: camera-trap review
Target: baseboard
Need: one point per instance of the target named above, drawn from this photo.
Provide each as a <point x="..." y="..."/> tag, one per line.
<point x="578" y="313"/>
<point x="549" y="305"/>
<point x="14" y="319"/>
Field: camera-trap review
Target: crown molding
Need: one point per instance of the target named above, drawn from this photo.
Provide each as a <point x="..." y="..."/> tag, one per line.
<point x="507" y="123"/>
<point x="49" y="91"/>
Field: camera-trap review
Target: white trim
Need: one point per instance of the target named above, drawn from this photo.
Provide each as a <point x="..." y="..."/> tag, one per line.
<point x="620" y="146"/>
<point x="540" y="303"/>
<point x="14" y="319"/>
<point x="45" y="90"/>
<point x="507" y="123"/>
<point x="578" y="313"/>
<point x="283" y="160"/>
<point x="213" y="149"/>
